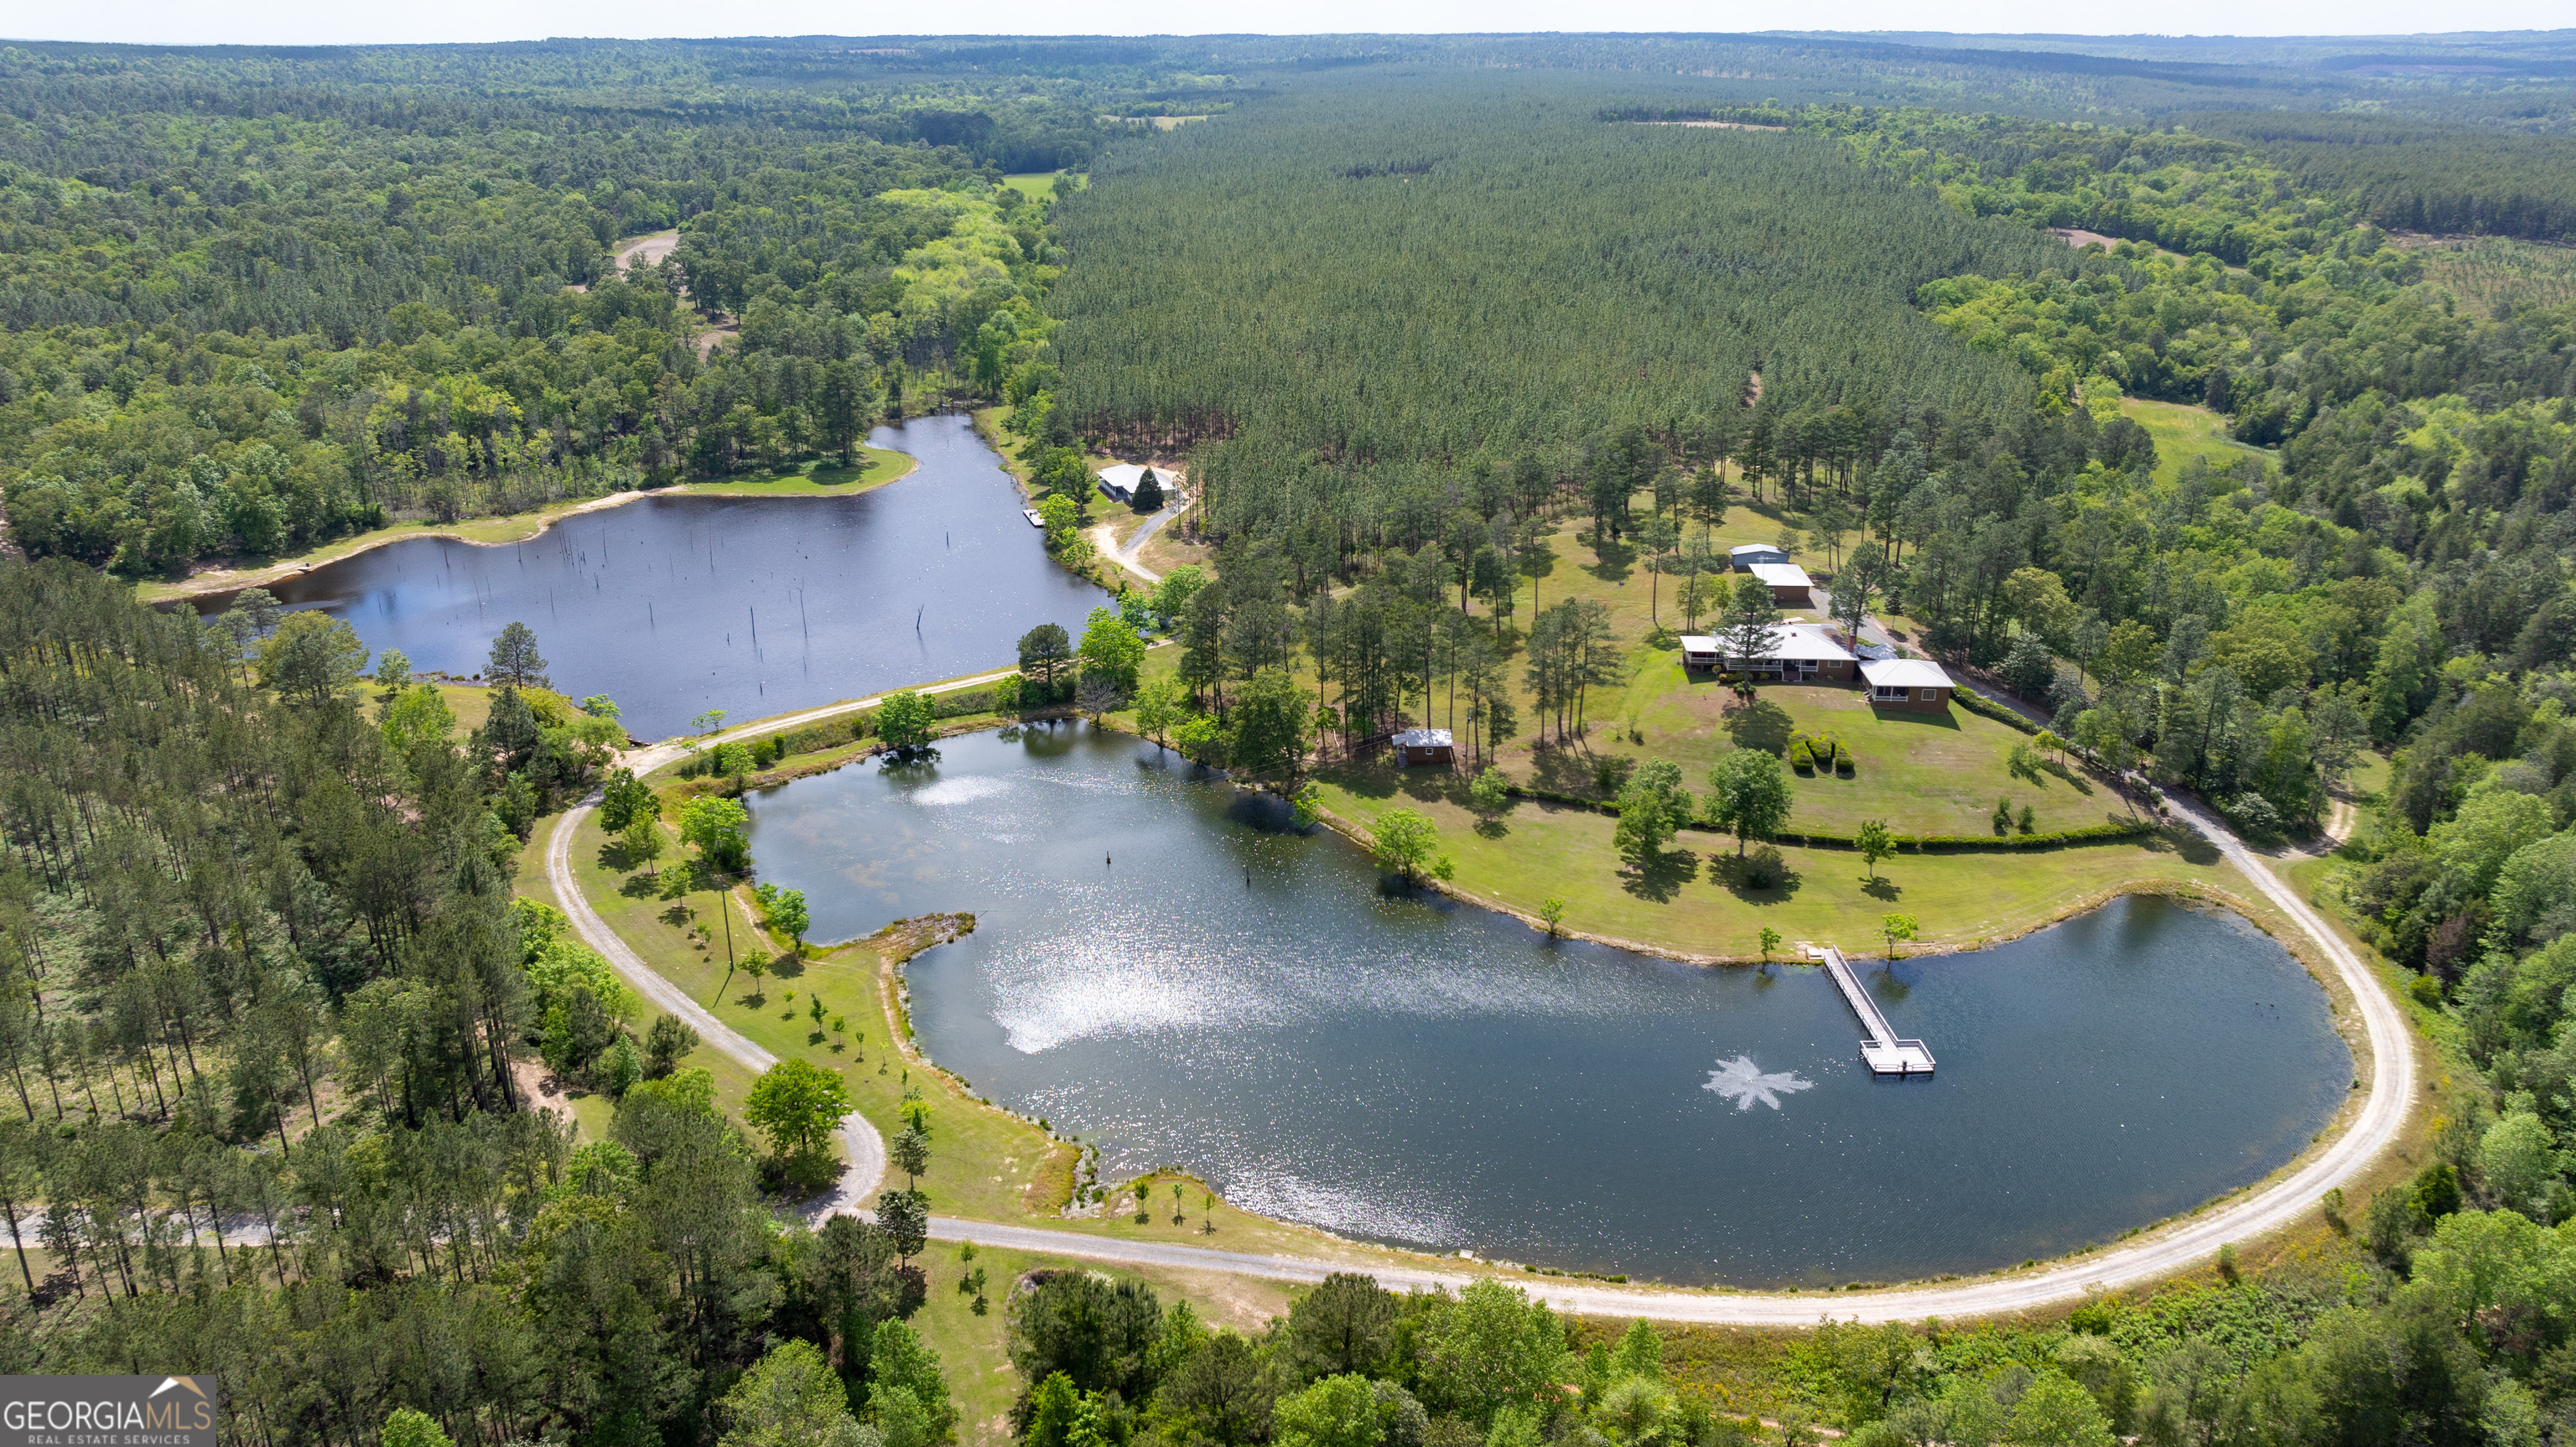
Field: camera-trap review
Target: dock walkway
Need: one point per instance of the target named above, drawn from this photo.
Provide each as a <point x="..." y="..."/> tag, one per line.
<point x="1880" y="1049"/>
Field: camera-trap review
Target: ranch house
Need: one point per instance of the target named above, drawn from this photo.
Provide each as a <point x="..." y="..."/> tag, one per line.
<point x="1800" y="653"/>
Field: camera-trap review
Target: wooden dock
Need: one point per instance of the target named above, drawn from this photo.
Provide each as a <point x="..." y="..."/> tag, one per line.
<point x="1880" y="1049"/>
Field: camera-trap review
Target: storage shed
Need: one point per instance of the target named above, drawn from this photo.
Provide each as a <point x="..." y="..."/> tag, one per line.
<point x="1789" y="584"/>
<point x="1746" y="556"/>
<point x="1424" y="746"/>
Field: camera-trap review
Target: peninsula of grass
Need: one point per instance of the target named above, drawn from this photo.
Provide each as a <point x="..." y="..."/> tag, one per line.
<point x="820" y="479"/>
<point x="1698" y="899"/>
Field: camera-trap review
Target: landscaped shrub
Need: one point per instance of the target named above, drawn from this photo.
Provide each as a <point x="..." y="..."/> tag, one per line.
<point x="1845" y="764"/>
<point x="1827" y="747"/>
<point x="1801" y="754"/>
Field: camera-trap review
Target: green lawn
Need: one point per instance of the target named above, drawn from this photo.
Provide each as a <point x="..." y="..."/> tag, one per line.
<point x="1041" y="184"/>
<point x="2181" y="431"/>
<point x="1695" y="901"/>
<point x="1922" y="773"/>
<point x="877" y="466"/>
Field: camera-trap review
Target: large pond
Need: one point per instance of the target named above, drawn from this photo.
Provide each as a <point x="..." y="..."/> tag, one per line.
<point x="1162" y="967"/>
<point x="756" y="605"/>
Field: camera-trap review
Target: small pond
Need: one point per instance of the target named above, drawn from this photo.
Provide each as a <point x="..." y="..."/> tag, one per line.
<point x="756" y="605"/>
<point x="1160" y="966"/>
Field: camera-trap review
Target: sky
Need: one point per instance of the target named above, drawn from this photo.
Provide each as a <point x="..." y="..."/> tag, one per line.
<point x="339" y="22"/>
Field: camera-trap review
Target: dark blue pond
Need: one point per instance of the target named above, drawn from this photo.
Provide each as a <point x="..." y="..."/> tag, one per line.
<point x="673" y="605"/>
<point x="1156" y="965"/>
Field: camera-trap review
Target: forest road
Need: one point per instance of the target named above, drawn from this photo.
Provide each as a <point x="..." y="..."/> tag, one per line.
<point x="2164" y="1251"/>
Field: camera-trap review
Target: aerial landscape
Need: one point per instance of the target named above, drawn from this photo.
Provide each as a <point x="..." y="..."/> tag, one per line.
<point x="1613" y="738"/>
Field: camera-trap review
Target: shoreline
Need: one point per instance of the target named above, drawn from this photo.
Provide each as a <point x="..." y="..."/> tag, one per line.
<point x="2350" y="1017"/>
<point x="521" y="526"/>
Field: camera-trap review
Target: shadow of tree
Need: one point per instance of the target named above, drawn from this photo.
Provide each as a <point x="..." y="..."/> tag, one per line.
<point x="1946" y="719"/>
<point x="2190" y="843"/>
<point x="1612" y="562"/>
<point x="1660" y="875"/>
<point x="1883" y="889"/>
<point x="677" y="916"/>
<point x="2077" y="781"/>
<point x="1762" y="876"/>
<point x="1492" y="827"/>
<point x="1567" y="770"/>
<point x="1760" y="724"/>
<point x="639" y="886"/>
<point x="1362" y="780"/>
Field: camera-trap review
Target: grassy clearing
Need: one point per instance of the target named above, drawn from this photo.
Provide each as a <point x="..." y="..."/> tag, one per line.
<point x="1922" y="773"/>
<point x="2181" y="431"/>
<point x="1041" y="184"/>
<point x="1695" y="900"/>
<point x="877" y="466"/>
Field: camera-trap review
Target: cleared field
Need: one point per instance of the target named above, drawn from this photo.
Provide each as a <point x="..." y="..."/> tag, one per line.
<point x="1041" y="184"/>
<point x="1922" y="773"/>
<point x="2182" y="431"/>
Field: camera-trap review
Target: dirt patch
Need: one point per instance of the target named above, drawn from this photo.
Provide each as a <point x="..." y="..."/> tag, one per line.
<point x="1714" y="125"/>
<point x="904" y="938"/>
<point x="2081" y="239"/>
<point x="539" y="1090"/>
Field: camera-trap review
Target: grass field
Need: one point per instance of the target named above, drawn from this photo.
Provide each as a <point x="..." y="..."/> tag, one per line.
<point x="1921" y="773"/>
<point x="1696" y="899"/>
<point x="1041" y="184"/>
<point x="2181" y="431"/>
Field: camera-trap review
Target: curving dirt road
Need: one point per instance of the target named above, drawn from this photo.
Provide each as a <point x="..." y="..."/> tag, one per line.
<point x="2173" y="1248"/>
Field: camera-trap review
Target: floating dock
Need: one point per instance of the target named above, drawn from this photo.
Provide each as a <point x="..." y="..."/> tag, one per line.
<point x="1880" y="1049"/>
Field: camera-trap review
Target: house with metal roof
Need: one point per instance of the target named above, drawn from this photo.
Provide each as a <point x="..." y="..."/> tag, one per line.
<point x="1800" y="653"/>
<point x="1917" y="685"/>
<point x="1789" y="584"/>
<point x="1424" y="746"/>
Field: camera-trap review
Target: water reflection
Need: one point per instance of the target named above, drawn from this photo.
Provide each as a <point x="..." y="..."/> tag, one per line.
<point x="672" y="605"/>
<point x="1159" y="971"/>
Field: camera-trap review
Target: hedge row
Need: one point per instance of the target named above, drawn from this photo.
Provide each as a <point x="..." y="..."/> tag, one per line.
<point x="1918" y="843"/>
<point x="1978" y="703"/>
